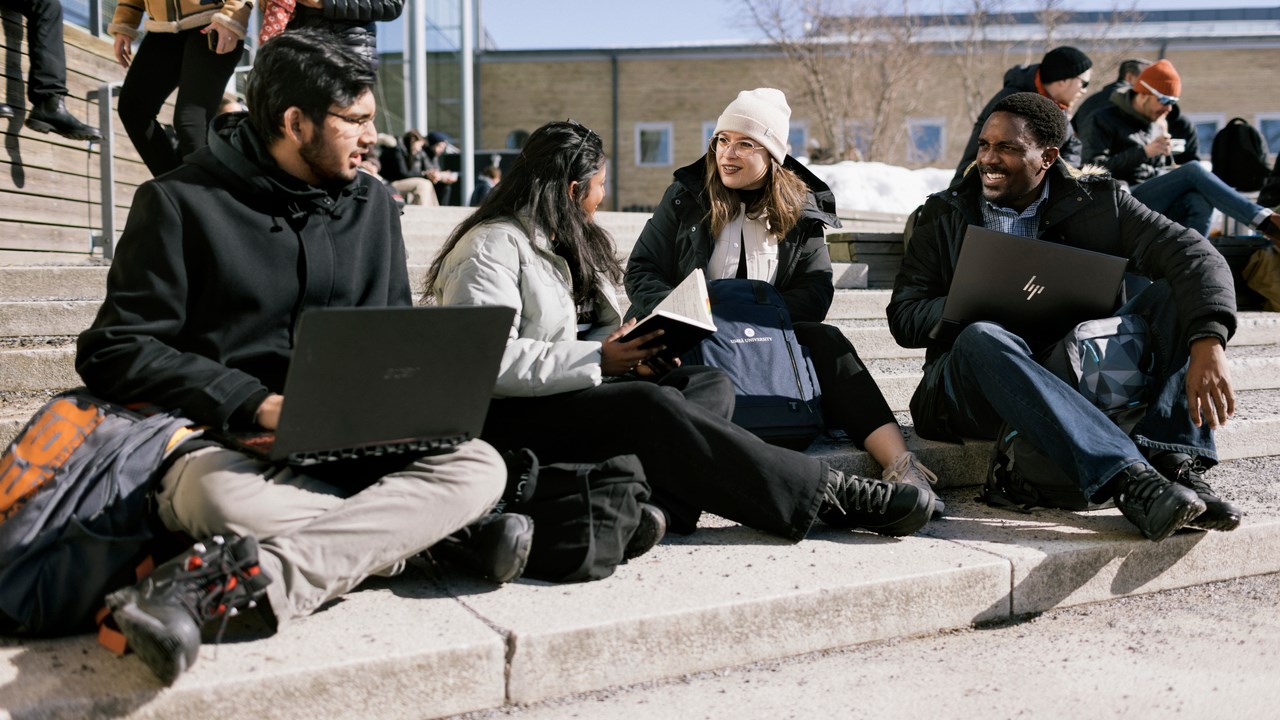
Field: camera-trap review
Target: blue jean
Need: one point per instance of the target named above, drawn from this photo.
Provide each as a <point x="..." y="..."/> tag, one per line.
<point x="990" y="375"/>
<point x="1189" y="193"/>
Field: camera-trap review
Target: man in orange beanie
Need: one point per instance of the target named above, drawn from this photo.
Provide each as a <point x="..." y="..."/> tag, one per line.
<point x="1132" y="140"/>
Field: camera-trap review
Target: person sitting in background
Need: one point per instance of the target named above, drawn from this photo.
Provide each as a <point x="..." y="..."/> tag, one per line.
<point x="403" y="166"/>
<point x="1061" y="75"/>
<point x="1128" y="75"/>
<point x="748" y="209"/>
<point x="47" y="76"/>
<point x="980" y="374"/>
<point x="571" y="389"/>
<point x="488" y="179"/>
<point x="433" y="153"/>
<point x="1132" y="140"/>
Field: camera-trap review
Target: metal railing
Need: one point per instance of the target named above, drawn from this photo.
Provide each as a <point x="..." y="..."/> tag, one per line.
<point x="105" y="238"/>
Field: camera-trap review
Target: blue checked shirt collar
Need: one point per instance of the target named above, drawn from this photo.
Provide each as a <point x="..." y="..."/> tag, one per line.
<point x="1009" y="221"/>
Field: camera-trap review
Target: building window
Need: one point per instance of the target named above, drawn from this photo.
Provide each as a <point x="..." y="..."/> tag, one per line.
<point x="798" y="138"/>
<point x="858" y="137"/>
<point x="708" y="129"/>
<point x="1207" y="125"/>
<point x="653" y="144"/>
<point x="516" y="139"/>
<point x="1269" y="126"/>
<point x="926" y="137"/>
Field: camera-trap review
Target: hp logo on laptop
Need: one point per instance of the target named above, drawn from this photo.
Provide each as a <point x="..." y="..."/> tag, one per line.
<point x="1031" y="289"/>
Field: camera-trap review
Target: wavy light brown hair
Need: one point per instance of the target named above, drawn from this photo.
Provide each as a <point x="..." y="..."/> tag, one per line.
<point x="784" y="198"/>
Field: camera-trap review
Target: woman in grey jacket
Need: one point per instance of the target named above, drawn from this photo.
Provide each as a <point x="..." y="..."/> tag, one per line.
<point x="747" y="209"/>
<point x="571" y="390"/>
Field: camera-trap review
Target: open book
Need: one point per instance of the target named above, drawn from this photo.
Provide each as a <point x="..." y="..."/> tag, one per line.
<point x="684" y="316"/>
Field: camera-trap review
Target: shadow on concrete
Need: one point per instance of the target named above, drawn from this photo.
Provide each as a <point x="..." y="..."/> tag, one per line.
<point x="14" y="93"/>
<point x="91" y="681"/>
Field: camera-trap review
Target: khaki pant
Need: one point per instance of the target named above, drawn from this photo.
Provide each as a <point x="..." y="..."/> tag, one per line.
<point x="416" y="191"/>
<point x="316" y="541"/>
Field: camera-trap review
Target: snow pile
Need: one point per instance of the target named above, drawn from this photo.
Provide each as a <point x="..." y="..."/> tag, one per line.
<point x="877" y="187"/>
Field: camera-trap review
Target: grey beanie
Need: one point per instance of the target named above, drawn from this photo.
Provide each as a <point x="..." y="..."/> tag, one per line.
<point x="762" y="115"/>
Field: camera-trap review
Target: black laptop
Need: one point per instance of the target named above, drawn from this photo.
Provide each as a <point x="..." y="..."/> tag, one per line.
<point x="385" y="381"/>
<point x="1034" y="288"/>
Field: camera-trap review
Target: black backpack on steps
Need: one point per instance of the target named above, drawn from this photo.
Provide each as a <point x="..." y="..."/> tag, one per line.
<point x="1240" y="156"/>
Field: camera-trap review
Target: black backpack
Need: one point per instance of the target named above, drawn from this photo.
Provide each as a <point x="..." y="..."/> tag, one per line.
<point x="774" y="383"/>
<point x="1240" y="156"/>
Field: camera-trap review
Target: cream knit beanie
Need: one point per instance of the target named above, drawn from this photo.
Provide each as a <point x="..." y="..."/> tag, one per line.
<point x="762" y="115"/>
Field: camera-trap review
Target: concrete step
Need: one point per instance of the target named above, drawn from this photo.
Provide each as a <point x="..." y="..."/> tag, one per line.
<point x="432" y="643"/>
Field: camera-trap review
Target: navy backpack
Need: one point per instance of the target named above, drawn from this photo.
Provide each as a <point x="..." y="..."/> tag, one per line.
<point x="773" y="378"/>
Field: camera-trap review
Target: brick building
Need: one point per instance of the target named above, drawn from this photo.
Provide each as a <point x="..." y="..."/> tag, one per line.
<point x="654" y="107"/>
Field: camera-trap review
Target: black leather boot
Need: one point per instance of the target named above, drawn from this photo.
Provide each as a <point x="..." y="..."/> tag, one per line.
<point x="51" y="116"/>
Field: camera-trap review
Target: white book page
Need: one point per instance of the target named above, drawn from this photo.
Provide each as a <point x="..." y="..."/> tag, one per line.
<point x="689" y="299"/>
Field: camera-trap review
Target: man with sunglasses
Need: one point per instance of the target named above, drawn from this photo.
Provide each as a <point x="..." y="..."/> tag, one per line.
<point x="1133" y="140"/>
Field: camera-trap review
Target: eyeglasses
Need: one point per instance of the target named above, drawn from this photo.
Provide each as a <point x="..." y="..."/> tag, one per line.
<point x="721" y="144"/>
<point x="1084" y="84"/>
<point x="353" y="122"/>
<point x="1164" y="99"/>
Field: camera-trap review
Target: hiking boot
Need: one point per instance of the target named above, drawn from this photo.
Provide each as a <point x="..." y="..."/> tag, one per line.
<point x="5" y="111"/>
<point x="162" y="615"/>
<point x="1189" y="472"/>
<point x="907" y="469"/>
<point x="1157" y="506"/>
<point x="51" y="116"/>
<point x="652" y="528"/>
<point x="495" y="547"/>
<point x="887" y="508"/>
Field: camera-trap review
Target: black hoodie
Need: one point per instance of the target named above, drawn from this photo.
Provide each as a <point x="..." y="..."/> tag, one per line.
<point x="218" y="260"/>
<point x="677" y="240"/>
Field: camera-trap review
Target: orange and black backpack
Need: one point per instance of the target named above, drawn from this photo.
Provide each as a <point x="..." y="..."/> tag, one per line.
<point x="75" y="509"/>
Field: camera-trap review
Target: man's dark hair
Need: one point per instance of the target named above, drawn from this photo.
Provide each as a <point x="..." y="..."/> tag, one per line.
<point x="1132" y="66"/>
<point x="1045" y="120"/>
<point x="309" y="69"/>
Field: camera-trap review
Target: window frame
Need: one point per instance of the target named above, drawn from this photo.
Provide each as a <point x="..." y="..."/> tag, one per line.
<point x="667" y="127"/>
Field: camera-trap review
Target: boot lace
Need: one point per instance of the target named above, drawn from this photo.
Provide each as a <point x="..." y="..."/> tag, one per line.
<point x="215" y="577"/>
<point x="1190" y="473"/>
<point x="907" y="468"/>
<point x="851" y="493"/>
<point x="1142" y="489"/>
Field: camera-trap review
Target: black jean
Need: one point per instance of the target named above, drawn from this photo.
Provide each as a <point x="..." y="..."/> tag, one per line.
<point x="48" y="75"/>
<point x="694" y="458"/>
<point x="851" y="400"/>
<point x="166" y="61"/>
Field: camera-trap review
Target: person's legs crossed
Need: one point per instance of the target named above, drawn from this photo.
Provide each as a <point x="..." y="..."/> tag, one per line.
<point x="1160" y="192"/>
<point x="316" y="544"/>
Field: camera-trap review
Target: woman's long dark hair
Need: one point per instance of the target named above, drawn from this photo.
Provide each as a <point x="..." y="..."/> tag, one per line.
<point x="536" y="189"/>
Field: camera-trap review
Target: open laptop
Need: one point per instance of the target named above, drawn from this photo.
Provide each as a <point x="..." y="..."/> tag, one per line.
<point x="1033" y="288"/>
<point x="379" y="381"/>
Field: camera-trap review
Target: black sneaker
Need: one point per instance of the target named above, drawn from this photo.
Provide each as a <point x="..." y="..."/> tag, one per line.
<point x="51" y="116"/>
<point x="652" y="528"/>
<point x="161" y="616"/>
<point x="495" y="547"/>
<point x="887" y="508"/>
<point x="1189" y="472"/>
<point x="1157" y="506"/>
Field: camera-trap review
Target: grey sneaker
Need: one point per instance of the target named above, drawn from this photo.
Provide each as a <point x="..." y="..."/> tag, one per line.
<point x="908" y="469"/>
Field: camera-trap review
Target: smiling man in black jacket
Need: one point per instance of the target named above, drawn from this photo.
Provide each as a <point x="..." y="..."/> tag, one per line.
<point x="218" y="261"/>
<point x="977" y="376"/>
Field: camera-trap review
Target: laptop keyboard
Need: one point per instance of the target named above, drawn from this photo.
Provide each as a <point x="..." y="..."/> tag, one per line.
<point x="415" y="447"/>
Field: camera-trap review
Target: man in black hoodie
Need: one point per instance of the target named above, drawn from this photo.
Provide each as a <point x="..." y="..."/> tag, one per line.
<point x="979" y="375"/>
<point x="218" y="261"/>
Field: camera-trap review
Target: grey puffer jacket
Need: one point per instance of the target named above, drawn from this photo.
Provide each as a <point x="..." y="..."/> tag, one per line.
<point x="499" y="263"/>
<point x="677" y="240"/>
<point x="1089" y="211"/>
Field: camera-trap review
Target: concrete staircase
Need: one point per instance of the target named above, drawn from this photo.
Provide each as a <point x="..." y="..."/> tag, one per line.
<point x="433" y="643"/>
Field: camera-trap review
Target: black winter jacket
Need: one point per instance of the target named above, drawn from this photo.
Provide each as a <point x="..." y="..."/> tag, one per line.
<point x="1115" y="137"/>
<point x="1085" y="211"/>
<point x="677" y="240"/>
<point x="352" y="20"/>
<point x="1021" y="78"/>
<point x="218" y="260"/>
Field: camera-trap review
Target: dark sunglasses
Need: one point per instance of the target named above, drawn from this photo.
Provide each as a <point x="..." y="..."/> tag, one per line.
<point x="582" y="143"/>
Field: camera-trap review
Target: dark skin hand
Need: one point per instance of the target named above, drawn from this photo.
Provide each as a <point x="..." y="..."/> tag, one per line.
<point x="620" y="358"/>
<point x="1209" y="395"/>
